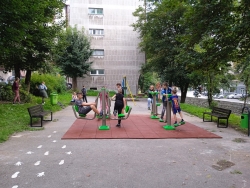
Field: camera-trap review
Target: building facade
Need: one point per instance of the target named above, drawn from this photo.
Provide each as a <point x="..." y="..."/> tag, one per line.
<point x="115" y="44"/>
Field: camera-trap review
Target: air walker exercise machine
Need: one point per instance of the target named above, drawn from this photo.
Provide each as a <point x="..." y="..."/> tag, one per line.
<point x="167" y="120"/>
<point x="105" y="115"/>
<point x="154" y="111"/>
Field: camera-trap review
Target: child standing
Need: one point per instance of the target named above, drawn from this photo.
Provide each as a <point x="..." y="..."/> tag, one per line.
<point x="119" y="104"/>
<point x="150" y="97"/>
<point x="176" y="106"/>
<point x="164" y="92"/>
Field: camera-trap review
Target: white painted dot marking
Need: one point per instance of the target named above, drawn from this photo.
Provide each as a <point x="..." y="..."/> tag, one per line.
<point x="54" y="140"/>
<point x="69" y="153"/>
<point x="46" y="153"/>
<point x="49" y="136"/>
<point x="64" y="147"/>
<point x="40" y="146"/>
<point x="54" y="132"/>
<point x="40" y="174"/>
<point x="15" y="175"/>
<point x="37" y="163"/>
<point x="61" y="162"/>
<point x="15" y="186"/>
<point x="29" y="152"/>
<point x="18" y="163"/>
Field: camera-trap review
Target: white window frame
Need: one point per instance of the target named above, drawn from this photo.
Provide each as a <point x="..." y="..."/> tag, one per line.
<point x="95" y="11"/>
<point x="96" y="31"/>
<point x="97" y="72"/>
<point x="98" y="52"/>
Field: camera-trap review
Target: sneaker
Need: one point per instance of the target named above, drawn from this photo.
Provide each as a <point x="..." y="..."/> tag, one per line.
<point x="13" y="103"/>
<point x="149" y="108"/>
<point x="160" y="120"/>
<point x="101" y="113"/>
<point x="118" y="125"/>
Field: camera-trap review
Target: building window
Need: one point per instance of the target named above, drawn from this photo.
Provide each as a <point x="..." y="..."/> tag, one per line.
<point x="96" y="31"/>
<point x="98" y="53"/>
<point x="97" y="72"/>
<point x="98" y="11"/>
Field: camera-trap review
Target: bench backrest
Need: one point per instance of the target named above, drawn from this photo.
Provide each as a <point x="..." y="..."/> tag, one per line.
<point x="221" y="111"/>
<point x="33" y="110"/>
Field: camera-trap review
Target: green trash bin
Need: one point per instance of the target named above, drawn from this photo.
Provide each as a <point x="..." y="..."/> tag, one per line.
<point x="53" y="98"/>
<point x="244" y="120"/>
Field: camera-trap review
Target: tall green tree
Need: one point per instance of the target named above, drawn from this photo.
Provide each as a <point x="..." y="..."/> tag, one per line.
<point x="28" y="29"/>
<point x="73" y="54"/>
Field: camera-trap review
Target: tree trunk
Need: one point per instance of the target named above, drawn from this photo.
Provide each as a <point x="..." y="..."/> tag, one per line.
<point x="27" y="80"/>
<point x="246" y="93"/>
<point x="209" y="90"/>
<point x="74" y="83"/>
<point x="184" y="92"/>
<point x="17" y="70"/>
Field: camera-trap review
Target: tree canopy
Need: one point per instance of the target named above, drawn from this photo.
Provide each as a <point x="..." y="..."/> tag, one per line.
<point x="191" y="42"/>
<point x="73" y="53"/>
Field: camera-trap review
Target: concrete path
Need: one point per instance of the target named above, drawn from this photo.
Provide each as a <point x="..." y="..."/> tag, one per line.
<point x="40" y="159"/>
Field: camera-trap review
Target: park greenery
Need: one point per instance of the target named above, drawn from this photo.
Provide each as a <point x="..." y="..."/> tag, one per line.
<point x="192" y="42"/>
<point x="73" y="53"/>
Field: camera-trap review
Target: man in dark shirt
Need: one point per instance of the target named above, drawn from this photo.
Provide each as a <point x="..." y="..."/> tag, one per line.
<point x="84" y="94"/>
<point x="83" y="107"/>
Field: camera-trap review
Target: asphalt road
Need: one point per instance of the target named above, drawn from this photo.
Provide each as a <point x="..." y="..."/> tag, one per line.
<point x="40" y="159"/>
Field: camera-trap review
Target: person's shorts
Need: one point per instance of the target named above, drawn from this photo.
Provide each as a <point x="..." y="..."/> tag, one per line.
<point x="176" y="110"/>
<point x="85" y="110"/>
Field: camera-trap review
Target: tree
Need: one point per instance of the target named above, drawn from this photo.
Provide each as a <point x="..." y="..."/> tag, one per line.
<point x="73" y="54"/>
<point x="28" y="29"/>
<point x="159" y="30"/>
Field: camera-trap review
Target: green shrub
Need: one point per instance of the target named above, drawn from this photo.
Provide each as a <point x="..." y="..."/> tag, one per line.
<point x="213" y="104"/>
<point x="6" y="94"/>
<point x="55" y="84"/>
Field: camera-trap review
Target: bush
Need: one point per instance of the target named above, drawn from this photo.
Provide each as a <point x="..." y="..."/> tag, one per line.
<point x="6" y="94"/>
<point x="55" y="84"/>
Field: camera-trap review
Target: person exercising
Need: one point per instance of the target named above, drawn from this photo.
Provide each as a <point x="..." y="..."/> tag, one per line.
<point x="84" y="107"/>
<point x="119" y="104"/>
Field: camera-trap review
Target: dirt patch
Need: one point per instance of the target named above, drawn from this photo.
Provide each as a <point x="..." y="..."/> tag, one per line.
<point x="222" y="165"/>
<point x="239" y="140"/>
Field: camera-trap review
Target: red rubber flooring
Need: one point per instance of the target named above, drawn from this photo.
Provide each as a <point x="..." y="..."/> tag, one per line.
<point x="135" y="127"/>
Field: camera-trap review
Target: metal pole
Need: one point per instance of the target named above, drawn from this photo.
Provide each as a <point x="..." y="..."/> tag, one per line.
<point x="103" y="126"/>
<point x="125" y="86"/>
<point x="103" y="107"/>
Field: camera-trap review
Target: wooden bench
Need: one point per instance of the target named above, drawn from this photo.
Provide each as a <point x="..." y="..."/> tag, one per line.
<point x="38" y="112"/>
<point x="220" y="113"/>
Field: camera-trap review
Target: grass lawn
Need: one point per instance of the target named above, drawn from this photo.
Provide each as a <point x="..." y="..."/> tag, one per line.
<point x="233" y="121"/>
<point x="15" y="118"/>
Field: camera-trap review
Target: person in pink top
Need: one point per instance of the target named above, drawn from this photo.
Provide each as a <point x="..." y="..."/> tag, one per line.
<point x="15" y="89"/>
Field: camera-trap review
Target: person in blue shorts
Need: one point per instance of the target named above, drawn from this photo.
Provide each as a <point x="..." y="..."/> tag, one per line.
<point x="176" y="105"/>
<point x="83" y="107"/>
<point x="164" y="92"/>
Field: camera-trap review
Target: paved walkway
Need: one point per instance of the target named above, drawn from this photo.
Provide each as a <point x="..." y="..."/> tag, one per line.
<point x="41" y="159"/>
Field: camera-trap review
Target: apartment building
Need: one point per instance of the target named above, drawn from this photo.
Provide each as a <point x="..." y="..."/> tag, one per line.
<point x="115" y="44"/>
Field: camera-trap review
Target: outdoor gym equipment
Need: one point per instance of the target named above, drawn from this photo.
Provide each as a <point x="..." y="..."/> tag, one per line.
<point x="168" y="116"/>
<point x="103" y="101"/>
<point x="107" y="105"/>
<point x="154" y="112"/>
<point x="178" y="124"/>
<point x="82" y="116"/>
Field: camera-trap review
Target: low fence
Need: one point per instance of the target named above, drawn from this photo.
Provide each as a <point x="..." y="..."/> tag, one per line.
<point x="234" y="106"/>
